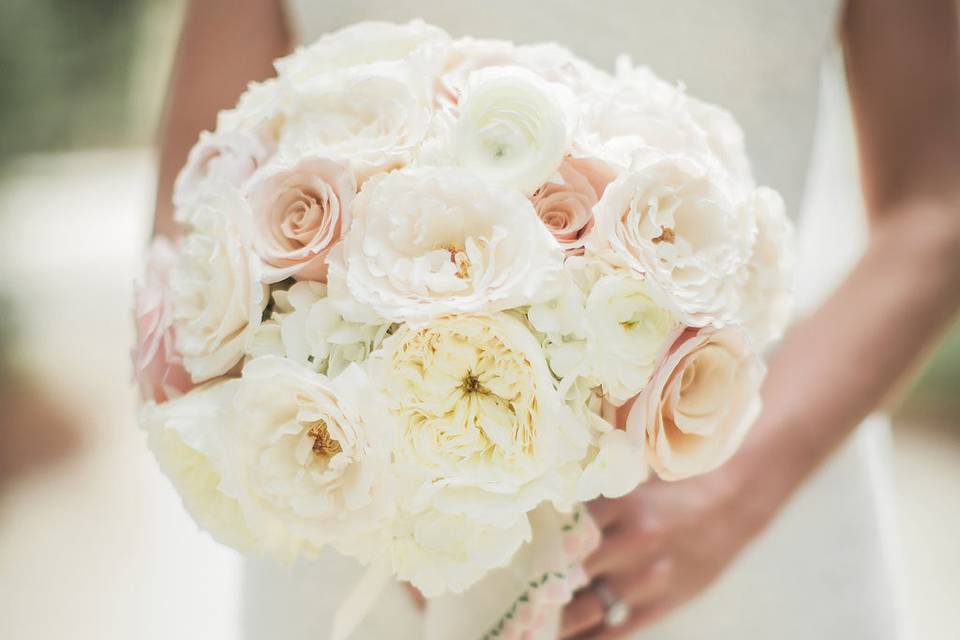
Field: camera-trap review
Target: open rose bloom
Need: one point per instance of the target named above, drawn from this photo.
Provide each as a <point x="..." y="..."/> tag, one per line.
<point x="417" y="278"/>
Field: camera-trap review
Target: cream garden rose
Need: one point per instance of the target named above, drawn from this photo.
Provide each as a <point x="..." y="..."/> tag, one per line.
<point x="217" y="298"/>
<point x="310" y="456"/>
<point x="685" y="229"/>
<point x="299" y="212"/>
<point x="431" y="241"/>
<point x="478" y="418"/>
<point x="700" y="403"/>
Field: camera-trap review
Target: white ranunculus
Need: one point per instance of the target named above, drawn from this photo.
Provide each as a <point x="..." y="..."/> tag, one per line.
<point x="685" y="228"/>
<point x="439" y="552"/>
<point x="700" y="403"/>
<point x="187" y="435"/>
<point x="768" y="289"/>
<point x="310" y="457"/>
<point x="429" y="241"/>
<point x="478" y="418"/>
<point x="230" y="157"/>
<point x="374" y="118"/>
<point x="215" y="286"/>
<point x="316" y="335"/>
<point x="511" y="126"/>
<point x="626" y="332"/>
<point x="362" y="44"/>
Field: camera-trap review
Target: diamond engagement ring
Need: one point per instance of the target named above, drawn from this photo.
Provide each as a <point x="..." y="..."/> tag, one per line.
<point x="616" y="611"/>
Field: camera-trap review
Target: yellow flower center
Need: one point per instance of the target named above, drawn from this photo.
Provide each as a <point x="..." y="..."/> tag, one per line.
<point x="323" y="444"/>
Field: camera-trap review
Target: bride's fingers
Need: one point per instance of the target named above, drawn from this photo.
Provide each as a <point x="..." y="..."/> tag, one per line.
<point x="637" y="620"/>
<point x="623" y="549"/>
<point x="605" y="511"/>
<point x="637" y="589"/>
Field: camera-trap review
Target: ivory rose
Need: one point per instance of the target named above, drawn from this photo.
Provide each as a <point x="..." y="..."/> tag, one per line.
<point x="228" y="156"/>
<point x="157" y="366"/>
<point x="310" y="456"/>
<point x="299" y="212"/>
<point x="565" y="202"/>
<point x="217" y="297"/>
<point x="699" y="404"/>
<point x="188" y="437"/>
<point x="685" y="229"/>
<point x="430" y="241"/>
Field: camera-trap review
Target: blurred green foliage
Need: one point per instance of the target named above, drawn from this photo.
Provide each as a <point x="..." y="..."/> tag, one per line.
<point x="66" y="72"/>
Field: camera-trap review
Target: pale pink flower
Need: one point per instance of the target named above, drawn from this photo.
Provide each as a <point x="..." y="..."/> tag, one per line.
<point x="157" y="367"/>
<point x="299" y="213"/>
<point x="565" y="202"/>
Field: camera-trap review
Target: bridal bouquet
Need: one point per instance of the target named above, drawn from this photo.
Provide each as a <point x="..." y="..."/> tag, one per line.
<point x="420" y="279"/>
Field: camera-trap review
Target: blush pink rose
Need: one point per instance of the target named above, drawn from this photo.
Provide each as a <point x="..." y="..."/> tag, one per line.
<point x="565" y="202"/>
<point x="702" y="399"/>
<point x="229" y="156"/>
<point x="157" y="367"/>
<point x="299" y="214"/>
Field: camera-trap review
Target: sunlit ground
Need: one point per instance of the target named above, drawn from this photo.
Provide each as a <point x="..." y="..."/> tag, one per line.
<point x="97" y="545"/>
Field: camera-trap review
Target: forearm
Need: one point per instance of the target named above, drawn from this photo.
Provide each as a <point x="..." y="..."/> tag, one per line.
<point x="838" y="364"/>
<point x="224" y="45"/>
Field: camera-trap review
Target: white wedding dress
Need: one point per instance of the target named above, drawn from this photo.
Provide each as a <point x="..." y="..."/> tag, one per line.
<point x="826" y="567"/>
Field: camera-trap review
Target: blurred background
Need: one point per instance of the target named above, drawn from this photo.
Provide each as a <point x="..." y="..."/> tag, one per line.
<point x="93" y="541"/>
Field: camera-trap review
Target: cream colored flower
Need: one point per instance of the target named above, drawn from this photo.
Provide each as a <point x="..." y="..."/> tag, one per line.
<point x="478" y="418"/>
<point x="316" y="335"/>
<point x="699" y="404"/>
<point x="511" y="127"/>
<point x="230" y="157"/>
<point x="626" y="332"/>
<point x="299" y="212"/>
<point x="685" y="229"/>
<point x="187" y="435"/>
<point x="217" y="298"/>
<point x="259" y="110"/>
<point x="310" y="458"/>
<point x="768" y="289"/>
<point x="440" y="552"/>
<point x="374" y="117"/>
<point x="364" y="43"/>
<point x="431" y="241"/>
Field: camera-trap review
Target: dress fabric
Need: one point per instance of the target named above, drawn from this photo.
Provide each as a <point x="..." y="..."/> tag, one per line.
<point x="827" y="566"/>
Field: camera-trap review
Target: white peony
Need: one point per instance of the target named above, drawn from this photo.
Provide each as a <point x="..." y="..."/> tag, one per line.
<point x="511" y="127"/>
<point x="374" y="118"/>
<point x="626" y="332"/>
<point x="187" y="435"/>
<point x="363" y="44"/>
<point x="259" y="110"/>
<point x="310" y="458"/>
<point x="478" y="419"/>
<point x="699" y="404"/>
<point x="768" y="289"/>
<point x="215" y="286"/>
<point x="685" y="228"/>
<point x="431" y="241"/>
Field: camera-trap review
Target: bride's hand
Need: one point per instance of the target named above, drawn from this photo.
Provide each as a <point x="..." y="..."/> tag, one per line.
<point x="662" y="544"/>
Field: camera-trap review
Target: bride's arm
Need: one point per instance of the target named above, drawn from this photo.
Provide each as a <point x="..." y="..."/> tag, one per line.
<point x="667" y="541"/>
<point x="224" y="45"/>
